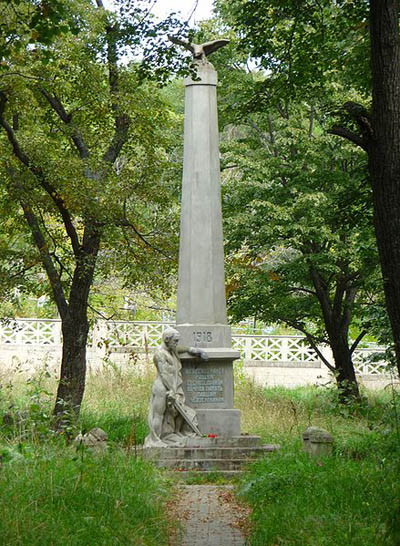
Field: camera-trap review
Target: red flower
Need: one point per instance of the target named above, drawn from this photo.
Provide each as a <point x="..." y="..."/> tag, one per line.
<point x="212" y="435"/>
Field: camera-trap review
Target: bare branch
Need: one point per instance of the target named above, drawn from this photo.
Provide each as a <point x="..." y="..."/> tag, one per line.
<point x="311" y="341"/>
<point x="122" y="120"/>
<point x="38" y="173"/>
<point x="47" y="261"/>
<point x="122" y="124"/>
<point x="305" y="290"/>
<point x="349" y="135"/>
<point x="21" y="272"/>
<point x="22" y="76"/>
<point x="126" y="223"/>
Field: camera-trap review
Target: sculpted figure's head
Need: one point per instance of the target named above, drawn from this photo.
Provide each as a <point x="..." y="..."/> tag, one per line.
<point x="171" y="338"/>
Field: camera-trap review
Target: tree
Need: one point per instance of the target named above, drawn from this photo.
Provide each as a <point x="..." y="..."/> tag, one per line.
<point x="298" y="213"/>
<point x="84" y="160"/>
<point x="31" y="22"/>
<point x="379" y="135"/>
<point x="309" y="44"/>
<point x="299" y="233"/>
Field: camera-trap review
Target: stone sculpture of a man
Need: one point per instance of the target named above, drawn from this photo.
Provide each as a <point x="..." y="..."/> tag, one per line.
<point x="170" y="420"/>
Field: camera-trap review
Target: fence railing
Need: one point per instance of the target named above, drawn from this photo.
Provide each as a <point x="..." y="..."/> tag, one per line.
<point x="111" y="336"/>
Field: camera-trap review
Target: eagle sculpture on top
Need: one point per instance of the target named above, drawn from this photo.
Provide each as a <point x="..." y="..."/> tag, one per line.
<point x="200" y="52"/>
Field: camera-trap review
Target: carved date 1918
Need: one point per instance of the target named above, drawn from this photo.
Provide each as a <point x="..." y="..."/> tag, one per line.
<point x="202" y="337"/>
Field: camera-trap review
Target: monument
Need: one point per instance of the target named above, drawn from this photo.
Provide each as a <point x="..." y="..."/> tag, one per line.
<point x="201" y="308"/>
<point x="193" y="425"/>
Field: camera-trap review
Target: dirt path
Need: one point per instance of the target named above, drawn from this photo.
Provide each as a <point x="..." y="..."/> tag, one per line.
<point x="209" y="516"/>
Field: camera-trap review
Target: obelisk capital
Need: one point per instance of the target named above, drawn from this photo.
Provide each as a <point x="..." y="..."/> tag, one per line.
<point x="206" y="74"/>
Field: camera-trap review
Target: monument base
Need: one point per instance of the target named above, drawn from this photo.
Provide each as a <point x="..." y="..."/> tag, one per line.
<point x="224" y="423"/>
<point x="209" y="387"/>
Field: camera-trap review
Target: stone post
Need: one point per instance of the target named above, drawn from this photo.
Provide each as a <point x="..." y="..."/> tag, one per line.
<point x="201" y="309"/>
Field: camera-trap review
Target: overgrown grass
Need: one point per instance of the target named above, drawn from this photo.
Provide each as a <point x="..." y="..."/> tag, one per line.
<point x="350" y="498"/>
<point x="51" y="493"/>
<point x="55" y="496"/>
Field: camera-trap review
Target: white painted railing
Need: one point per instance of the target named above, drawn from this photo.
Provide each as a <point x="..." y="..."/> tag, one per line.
<point x="30" y="332"/>
<point x="112" y="336"/>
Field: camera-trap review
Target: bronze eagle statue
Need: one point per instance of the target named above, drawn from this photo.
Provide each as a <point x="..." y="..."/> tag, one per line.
<point x="200" y="52"/>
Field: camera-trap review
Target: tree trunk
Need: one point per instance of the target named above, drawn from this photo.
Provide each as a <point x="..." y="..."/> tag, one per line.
<point x="345" y="375"/>
<point x="337" y="316"/>
<point x="75" y="328"/>
<point x="384" y="151"/>
<point x="71" y="385"/>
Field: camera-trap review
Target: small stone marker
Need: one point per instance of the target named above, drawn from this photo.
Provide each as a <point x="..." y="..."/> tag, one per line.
<point x="317" y="441"/>
<point x="95" y="439"/>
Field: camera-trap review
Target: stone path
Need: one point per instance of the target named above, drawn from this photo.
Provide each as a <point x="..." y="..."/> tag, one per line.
<point x="209" y="516"/>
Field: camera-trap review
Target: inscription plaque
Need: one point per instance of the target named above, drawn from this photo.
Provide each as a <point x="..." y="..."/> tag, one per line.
<point x="205" y="385"/>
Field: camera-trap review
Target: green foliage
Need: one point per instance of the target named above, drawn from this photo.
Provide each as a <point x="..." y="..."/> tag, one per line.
<point x="351" y="497"/>
<point x="27" y="22"/>
<point x="300" y="500"/>
<point x="56" y="493"/>
<point x="295" y="206"/>
<point x="86" y="144"/>
<point x="306" y="47"/>
<point x="58" y="497"/>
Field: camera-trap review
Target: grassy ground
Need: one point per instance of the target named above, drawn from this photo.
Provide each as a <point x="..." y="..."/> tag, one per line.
<point x="52" y="493"/>
<point x="350" y="498"/>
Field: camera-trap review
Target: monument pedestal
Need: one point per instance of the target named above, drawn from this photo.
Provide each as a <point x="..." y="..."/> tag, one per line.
<point x="209" y="388"/>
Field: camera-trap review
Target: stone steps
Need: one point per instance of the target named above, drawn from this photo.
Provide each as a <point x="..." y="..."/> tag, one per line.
<point x="203" y="453"/>
<point x="204" y="475"/>
<point x="203" y="464"/>
<point x="245" y="440"/>
<point x="210" y="455"/>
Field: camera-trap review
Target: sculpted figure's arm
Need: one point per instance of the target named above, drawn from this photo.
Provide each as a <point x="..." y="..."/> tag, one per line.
<point x="194" y="351"/>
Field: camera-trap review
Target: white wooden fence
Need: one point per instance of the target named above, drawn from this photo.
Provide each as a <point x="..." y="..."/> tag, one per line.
<point x="25" y="336"/>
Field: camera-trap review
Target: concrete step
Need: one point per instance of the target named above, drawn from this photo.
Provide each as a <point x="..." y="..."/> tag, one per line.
<point x="203" y="464"/>
<point x="204" y="475"/>
<point x="245" y="440"/>
<point x="208" y="452"/>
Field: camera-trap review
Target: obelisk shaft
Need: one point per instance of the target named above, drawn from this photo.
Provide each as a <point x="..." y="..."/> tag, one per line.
<point x="201" y="309"/>
<point x="201" y="287"/>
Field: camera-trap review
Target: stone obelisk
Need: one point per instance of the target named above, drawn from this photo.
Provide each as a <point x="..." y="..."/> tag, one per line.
<point x="201" y="308"/>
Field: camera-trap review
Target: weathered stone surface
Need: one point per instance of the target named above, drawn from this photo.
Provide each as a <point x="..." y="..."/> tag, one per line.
<point x="244" y="440"/>
<point x="201" y="308"/>
<point x="95" y="439"/>
<point x="223" y="422"/>
<point x="209" y="384"/>
<point x="201" y="288"/>
<point x="211" y="454"/>
<point x="317" y="441"/>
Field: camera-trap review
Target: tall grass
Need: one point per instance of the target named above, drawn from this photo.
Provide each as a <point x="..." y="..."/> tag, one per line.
<point x="54" y="497"/>
<point x="350" y="498"/>
<point x="53" y="493"/>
